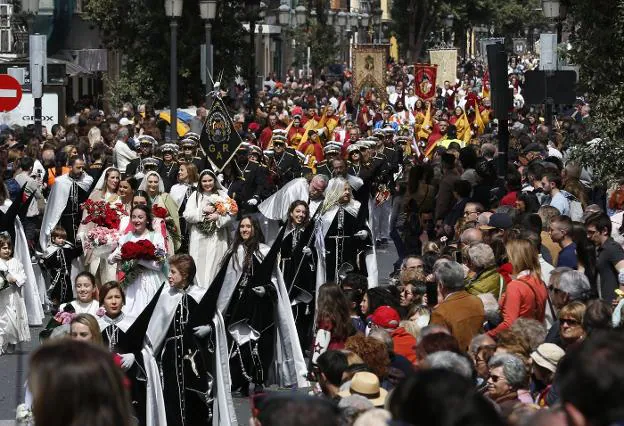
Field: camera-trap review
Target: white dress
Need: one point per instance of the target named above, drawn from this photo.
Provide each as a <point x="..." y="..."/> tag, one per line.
<point x="206" y="250"/>
<point x="83" y="308"/>
<point x="13" y="316"/>
<point x="140" y="291"/>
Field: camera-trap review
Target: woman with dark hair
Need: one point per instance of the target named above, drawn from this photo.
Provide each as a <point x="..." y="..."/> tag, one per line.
<point x="585" y="253"/>
<point x="209" y="225"/>
<point x="127" y="188"/>
<point x="142" y="282"/>
<point x="379" y="296"/>
<point x="256" y="307"/>
<point x="333" y="322"/>
<point x="98" y="395"/>
<point x="298" y="264"/>
<point x="185" y="354"/>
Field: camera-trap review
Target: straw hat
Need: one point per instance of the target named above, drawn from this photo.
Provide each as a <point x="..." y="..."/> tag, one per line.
<point x="367" y="385"/>
<point x="548" y="356"/>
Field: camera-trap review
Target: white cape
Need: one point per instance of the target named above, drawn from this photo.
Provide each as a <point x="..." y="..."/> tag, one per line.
<point x="223" y="408"/>
<point x="289" y="364"/>
<point x="32" y="297"/>
<point x="57" y="201"/>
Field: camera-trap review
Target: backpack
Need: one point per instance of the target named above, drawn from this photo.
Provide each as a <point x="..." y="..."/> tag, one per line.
<point x="576" y="208"/>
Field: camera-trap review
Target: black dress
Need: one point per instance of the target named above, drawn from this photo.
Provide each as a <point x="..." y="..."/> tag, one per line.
<point x="342" y="246"/>
<point x="253" y="315"/>
<point x="57" y="263"/>
<point x="299" y="272"/>
<point x="185" y="362"/>
<point x="119" y="338"/>
<point x="72" y="213"/>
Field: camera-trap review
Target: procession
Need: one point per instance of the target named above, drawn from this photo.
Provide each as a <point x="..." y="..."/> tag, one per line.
<point x="398" y="237"/>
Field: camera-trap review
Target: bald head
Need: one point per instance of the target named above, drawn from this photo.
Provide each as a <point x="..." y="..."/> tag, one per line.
<point x="471" y="236"/>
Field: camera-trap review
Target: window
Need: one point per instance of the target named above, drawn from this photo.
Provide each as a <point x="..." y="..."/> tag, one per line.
<point x="5" y="40"/>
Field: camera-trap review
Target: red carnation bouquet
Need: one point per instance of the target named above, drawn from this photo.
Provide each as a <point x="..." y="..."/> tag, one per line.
<point x="102" y="239"/>
<point x="103" y="214"/>
<point x="132" y="252"/>
<point x="163" y="213"/>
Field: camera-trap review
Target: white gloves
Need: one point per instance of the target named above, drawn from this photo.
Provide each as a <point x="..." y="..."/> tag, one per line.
<point x="127" y="360"/>
<point x="202" y="331"/>
<point x="260" y="291"/>
<point x="252" y="202"/>
<point x="361" y="234"/>
<point x="307" y="251"/>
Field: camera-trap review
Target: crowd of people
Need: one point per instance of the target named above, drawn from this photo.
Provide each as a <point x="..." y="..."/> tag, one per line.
<point x="504" y="305"/>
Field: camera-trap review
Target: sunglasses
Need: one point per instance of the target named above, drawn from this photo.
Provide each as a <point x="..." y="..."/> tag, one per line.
<point x="571" y="322"/>
<point x="495" y="379"/>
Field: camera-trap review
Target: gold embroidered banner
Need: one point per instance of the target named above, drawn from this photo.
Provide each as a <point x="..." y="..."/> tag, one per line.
<point x="446" y="60"/>
<point x="369" y="70"/>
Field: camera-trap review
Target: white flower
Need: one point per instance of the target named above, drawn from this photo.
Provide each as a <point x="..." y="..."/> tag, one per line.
<point x="23" y="414"/>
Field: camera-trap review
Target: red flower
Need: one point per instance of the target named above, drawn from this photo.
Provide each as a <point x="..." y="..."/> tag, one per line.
<point x="142" y="249"/>
<point x="160" y="212"/>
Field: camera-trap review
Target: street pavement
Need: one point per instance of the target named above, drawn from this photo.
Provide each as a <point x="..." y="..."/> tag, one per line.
<point x="14" y="367"/>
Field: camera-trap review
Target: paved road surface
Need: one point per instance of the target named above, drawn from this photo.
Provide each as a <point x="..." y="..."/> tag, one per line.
<point x="14" y="367"/>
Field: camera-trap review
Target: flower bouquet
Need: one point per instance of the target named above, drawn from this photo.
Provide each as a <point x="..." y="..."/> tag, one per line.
<point x="132" y="253"/>
<point x="102" y="241"/>
<point x="172" y="229"/>
<point x="103" y="238"/>
<point x="102" y="213"/>
<point x="221" y="205"/>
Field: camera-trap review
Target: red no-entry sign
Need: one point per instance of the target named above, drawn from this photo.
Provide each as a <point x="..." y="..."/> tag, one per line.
<point x="10" y="93"/>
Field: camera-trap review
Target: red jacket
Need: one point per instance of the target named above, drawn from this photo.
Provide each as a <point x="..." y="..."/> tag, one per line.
<point x="525" y="297"/>
<point x="404" y="344"/>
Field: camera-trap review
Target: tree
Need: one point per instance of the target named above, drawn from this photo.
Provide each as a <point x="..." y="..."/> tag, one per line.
<point x="140" y="32"/>
<point x="597" y="44"/>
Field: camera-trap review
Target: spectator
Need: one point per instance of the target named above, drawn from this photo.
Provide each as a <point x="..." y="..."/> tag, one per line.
<point x="400" y="366"/>
<point x="526" y="295"/>
<point x="367" y="385"/>
<point x="451" y="361"/>
<point x="610" y="262"/>
<point x="545" y="361"/>
<point x="331" y="366"/>
<point x="388" y="319"/>
<point x="546" y="213"/>
<point x="482" y="276"/>
<point x="374" y="355"/>
<point x="91" y="384"/>
<point x="571" y="324"/>
<point x="459" y="311"/>
<point x="507" y="375"/>
<point x="294" y="410"/>
<point x="438" y="397"/>
<point x="591" y="380"/>
<point x="551" y="183"/>
<point x="561" y="233"/>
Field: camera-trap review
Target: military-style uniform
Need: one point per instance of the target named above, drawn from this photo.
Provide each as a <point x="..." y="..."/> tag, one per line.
<point x="249" y="182"/>
<point x="288" y="167"/>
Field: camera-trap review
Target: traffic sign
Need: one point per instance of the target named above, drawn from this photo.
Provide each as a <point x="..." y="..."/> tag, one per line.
<point x="10" y="93"/>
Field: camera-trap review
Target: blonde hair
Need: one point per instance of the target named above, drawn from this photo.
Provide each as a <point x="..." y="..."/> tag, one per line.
<point x="90" y="321"/>
<point x="575" y="310"/>
<point x="523" y="256"/>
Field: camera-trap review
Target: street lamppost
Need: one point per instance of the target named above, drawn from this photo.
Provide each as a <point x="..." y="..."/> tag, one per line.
<point x="30" y="8"/>
<point x="552" y="11"/>
<point x="173" y="10"/>
<point x="377" y="19"/>
<point x="255" y="14"/>
<point x="364" y="20"/>
<point x="448" y="24"/>
<point x="208" y="12"/>
<point x="341" y="22"/>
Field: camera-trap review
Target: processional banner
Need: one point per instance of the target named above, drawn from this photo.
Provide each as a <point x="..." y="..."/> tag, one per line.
<point x="425" y="80"/>
<point x="446" y="60"/>
<point x="369" y="70"/>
